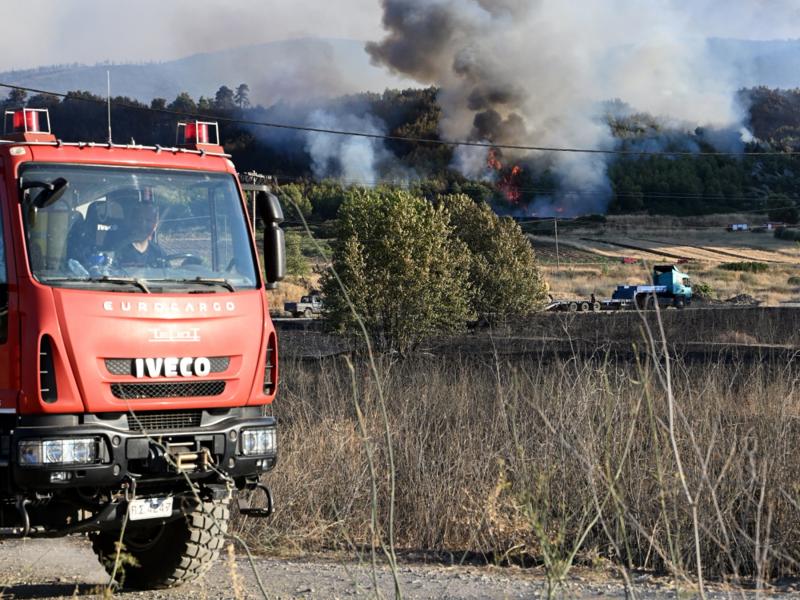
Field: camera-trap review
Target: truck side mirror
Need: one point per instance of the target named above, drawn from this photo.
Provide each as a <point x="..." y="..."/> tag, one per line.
<point x="274" y="243"/>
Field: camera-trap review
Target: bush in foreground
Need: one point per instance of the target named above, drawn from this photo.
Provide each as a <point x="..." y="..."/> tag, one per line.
<point x="404" y="272"/>
<point x="412" y="269"/>
<point x="503" y="273"/>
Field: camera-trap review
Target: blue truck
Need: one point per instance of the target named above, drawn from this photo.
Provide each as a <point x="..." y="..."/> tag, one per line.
<point x="670" y="287"/>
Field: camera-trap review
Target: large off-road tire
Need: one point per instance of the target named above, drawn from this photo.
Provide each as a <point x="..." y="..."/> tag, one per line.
<point x="166" y="555"/>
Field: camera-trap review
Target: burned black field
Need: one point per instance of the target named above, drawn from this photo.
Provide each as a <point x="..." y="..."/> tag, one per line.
<point x="707" y="331"/>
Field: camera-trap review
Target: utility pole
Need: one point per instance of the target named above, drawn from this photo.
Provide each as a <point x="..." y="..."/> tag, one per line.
<point x="555" y="228"/>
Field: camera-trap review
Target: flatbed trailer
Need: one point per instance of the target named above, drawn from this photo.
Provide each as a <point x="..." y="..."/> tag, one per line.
<point x="574" y="306"/>
<point x="672" y="288"/>
<point x="586" y="306"/>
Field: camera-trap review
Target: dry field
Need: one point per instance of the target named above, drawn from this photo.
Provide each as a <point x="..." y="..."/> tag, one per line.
<point x="291" y="290"/>
<point x="591" y="260"/>
<point x="516" y="459"/>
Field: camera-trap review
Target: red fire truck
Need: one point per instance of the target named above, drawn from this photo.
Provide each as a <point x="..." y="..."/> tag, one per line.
<point x="138" y="361"/>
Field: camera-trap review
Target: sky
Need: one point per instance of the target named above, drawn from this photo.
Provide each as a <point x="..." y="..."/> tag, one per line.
<point x="92" y="31"/>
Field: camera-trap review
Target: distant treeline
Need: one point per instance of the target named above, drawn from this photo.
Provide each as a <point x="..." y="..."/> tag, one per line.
<point x="656" y="184"/>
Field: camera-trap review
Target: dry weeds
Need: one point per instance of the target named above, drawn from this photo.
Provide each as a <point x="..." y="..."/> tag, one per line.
<point x="518" y="458"/>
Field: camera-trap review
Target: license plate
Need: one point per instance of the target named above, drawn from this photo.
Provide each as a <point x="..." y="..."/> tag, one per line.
<point x="150" y="508"/>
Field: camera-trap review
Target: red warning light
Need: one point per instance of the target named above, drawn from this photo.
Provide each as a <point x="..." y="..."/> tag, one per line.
<point x="198" y="133"/>
<point x="26" y="121"/>
<point x="32" y="124"/>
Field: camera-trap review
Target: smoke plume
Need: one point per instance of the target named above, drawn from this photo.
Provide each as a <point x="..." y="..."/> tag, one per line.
<point x="539" y="72"/>
<point x="349" y="159"/>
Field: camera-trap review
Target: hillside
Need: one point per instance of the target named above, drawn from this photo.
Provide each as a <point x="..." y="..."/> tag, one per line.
<point x="285" y="70"/>
<point x="775" y="115"/>
<point x="299" y="68"/>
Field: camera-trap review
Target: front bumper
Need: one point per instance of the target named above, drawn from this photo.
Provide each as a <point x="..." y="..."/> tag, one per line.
<point x="126" y="453"/>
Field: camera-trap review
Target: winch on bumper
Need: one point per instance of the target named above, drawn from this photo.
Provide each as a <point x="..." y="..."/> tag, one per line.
<point x="61" y="451"/>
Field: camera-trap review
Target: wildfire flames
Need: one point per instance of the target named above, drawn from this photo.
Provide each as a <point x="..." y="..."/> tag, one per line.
<point x="507" y="178"/>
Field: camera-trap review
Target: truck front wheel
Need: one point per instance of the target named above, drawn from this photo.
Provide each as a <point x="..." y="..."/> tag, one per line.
<point x="166" y="555"/>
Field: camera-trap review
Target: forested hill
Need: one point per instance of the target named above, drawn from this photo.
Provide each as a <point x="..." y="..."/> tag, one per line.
<point x="775" y="115"/>
<point x="657" y="184"/>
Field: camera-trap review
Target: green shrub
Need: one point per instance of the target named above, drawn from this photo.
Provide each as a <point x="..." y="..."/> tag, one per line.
<point x="702" y="290"/>
<point x="784" y="233"/>
<point x="403" y="270"/>
<point x="503" y="273"/>
<point x="794" y="281"/>
<point x="296" y="263"/>
<point x="746" y="267"/>
<point x="292" y="199"/>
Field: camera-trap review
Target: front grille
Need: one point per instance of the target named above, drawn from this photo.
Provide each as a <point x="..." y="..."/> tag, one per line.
<point x="168" y="420"/>
<point x="136" y="391"/>
<point x="124" y="366"/>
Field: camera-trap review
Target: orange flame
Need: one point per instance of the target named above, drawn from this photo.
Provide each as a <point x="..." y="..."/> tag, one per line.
<point x="507" y="178"/>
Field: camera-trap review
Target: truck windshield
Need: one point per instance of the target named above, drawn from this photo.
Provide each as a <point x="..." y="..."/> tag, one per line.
<point x="133" y="229"/>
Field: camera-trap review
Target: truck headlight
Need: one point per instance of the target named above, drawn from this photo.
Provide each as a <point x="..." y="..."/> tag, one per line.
<point x="77" y="451"/>
<point x="258" y="442"/>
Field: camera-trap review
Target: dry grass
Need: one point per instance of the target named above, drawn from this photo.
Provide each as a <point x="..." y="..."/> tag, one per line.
<point x="591" y="258"/>
<point x="666" y="222"/>
<point x="523" y="457"/>
<point x="579" y="281"/>
<point x="291" y="290"/>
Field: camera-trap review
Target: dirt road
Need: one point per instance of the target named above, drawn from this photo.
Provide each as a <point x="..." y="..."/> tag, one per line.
<point x="68" y="569"/>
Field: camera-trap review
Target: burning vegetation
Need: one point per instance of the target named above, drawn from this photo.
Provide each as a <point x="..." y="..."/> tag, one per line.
<point x="507" y="178"/>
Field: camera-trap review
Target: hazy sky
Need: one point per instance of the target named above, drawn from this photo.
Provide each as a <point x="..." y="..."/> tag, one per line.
<point x="91" y="31"/>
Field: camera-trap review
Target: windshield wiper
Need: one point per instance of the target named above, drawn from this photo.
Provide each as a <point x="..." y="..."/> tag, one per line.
<point x="105" y="279"/>
<point x="200" y="281"/>
<point x="122" y="281"/>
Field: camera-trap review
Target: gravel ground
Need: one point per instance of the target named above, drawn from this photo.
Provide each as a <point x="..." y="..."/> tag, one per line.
<point x="68" y="569"/>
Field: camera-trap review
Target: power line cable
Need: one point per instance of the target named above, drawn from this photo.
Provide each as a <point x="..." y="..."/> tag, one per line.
<point x="386" y="137"/>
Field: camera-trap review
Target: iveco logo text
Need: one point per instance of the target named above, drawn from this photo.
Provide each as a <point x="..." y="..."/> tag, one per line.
<point x="171" y="367"/>
<point x="154" y="308"/>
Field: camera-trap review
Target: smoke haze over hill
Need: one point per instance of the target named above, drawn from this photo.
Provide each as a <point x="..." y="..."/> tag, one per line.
<point x="538" y="73"/>
<point x="533" y="72"/>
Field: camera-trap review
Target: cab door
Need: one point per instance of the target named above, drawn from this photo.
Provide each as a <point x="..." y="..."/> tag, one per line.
<point x="9" y="306"/>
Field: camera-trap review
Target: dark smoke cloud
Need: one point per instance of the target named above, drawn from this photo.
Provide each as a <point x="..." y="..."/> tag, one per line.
<point x="490" y="125"/>
<point x="537" y="73"/>
<point x="416" y="42"/>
